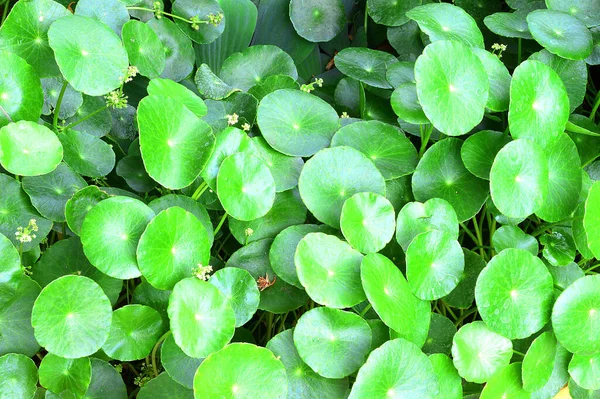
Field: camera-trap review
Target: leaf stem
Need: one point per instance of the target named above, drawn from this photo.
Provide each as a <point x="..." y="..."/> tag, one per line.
<point x="365" y="310"/>
<point x="595" y="108"/>
<point x="5" y="12"/>
<point x="58" y="103"/>
<point x="70" y="126"/>
<point x="155" y="349"/>
<point x="199" y="191"/>
<point x="425" y="135"/>
<point x="161" y="12"/>
<point x="220" y="223"/>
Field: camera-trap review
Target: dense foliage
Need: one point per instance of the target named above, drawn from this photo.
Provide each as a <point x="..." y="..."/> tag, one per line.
<point x="299" y="199"/>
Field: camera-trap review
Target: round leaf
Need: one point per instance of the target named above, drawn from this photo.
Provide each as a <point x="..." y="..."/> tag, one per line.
<point x="329" y="270"/>
<point x="513" y="237"/>
<point x="538" y="362"/>
<point x="201" y="318"/>
<point x="434" y="264"/>
<point x="241" y="291"/>
<point x="179" y="52"/>
<point x="252" y="371"/>
<point x="144" y="48"/>
<point x="479" y="150"/>
<point x="317" y="20"/>
<point x="365" y="65"/>
<point x="479" y="353"/>
<point x="584" y="370"/>
<point x="394" y="370"/>
<point x="86" y="154"/>
<point x="80" y="204"/>
<point x="245" y="186"/>
<point x="591" y="219"/>
<point x="19" y="376"/>
<point x="507" y="383"/>
<point x="202" y="9"/>
<point x="106" y="382"/>
<point x="393" y="300"/>
<point x="72" y="317"/>
<point x="405" y="104"/>
<point x="65" y="376"/>
<point x="449" y="73"/>
<point x="334" y="343"/>
<point x="89" y="54"/>
<point x="390" y="14"/>
<point x="180" y="367"/>
<point x="448" y="378"/>
<point x="519" y="178"/>
<point x="561" y="33"/>
<point x="178" y="92"/>
<point x="110" y="233"/>
<point x="29" y="149"/>
<point x="296" y="123"/>
<point x="514" y="294"/>
<point x="133" y="332"/>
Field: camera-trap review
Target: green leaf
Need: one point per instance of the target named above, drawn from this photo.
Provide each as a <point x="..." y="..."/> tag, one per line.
<point x="17" y="296"/>
<point x="405" y="104"/>
<point x="513" y="237"/>
<point x="110" y="233"/>
<point x="479" y="353"/>
<point x="449" y="381"/>
<point x="86" y="154"/>
<point x="538" y="362"/>
<point x="575" y="316"/>
<point x="499" y="80"/>
<point x="254" y="64"/>
<point x="449" y="73"/>
<point x="591" y="219"/>
<point x="296" y="123"/>
<point x="80" y="204"/>
<point x="519" y="178"/>
<point x="106" y="382"/>
<point x="65" y="376"/>
<point x="179" y="93"/>
<point x="99" y="121"/>
<point x="202" y="9"/>
<point x="390" y="14"/>
<point x="25" y="33"/>
<point x="318" y="20"/>
<point x="210" y="85"/>
<point x="71" y="101"/>
<point x="559" y="247"/>
<point x="29" y="149"/>
<point x="586" y="10"/>
<point x="241" y="291"/>
<point x="334" y="343"/>
<point x="19" y="376"/>
<point x="434" y="264"/>
<point x="10" y="260"/>
<point x="71" y="317"/>
<point x="440" y="335"/>
<point x="389" y="149"/>
<point x="391" y="372"/>
<point x="180" y="367"/>
<point x="245" y="186"/>
<point x="303" y="382"/>
<point x="284" y="246"/>
<point x="479" y="150"/>
<point x="16" y="211"/>
<point x="514" y="294"/>
<point x="113" y="13"/>
<point x="252" y="371"/>
<point x="280" y="297"/>
<point x="163" y="386"/>
<point x="133" y="332"/>
<point x="49" y="193"/>
<point x="89" y="54"/>
<point x="329" y="270"/>
<point x="326" y="183"/>
<point x="202" y="321"/>
<point x="365" y="65"/>
<point x="539" y="106"/>
<point x="368" y="222"/>
<point x="175" y="144"/>
<point x="509" y="24"/>
<point x="507" y="383"/>
<point x="561" y="33"/>
<point x="66" y="257"/>
<point x="144" y="48"/>
<point x="172" y="244"/>
<point x="584" y="371"/>
<point x="415" y="218"/>
<point x="285" y="169"/>
<point x="442" y="21"/>
<point x="178" y="49"/>
<point x="442" y="174"/>
<point x="393" y="300"/>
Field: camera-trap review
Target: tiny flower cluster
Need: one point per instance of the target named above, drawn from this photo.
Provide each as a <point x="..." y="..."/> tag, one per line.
<point x="232" y="119"/>
<point x="116" y="99"/>
<point x="214" y="19"/>
<point x="202" y="272"/>
<point x="157" y="6"/>
<point x="500" y="48"/>
<point x="131" y="73"/>
<point x="311" y="86"/>
<point x="27" y="234"/>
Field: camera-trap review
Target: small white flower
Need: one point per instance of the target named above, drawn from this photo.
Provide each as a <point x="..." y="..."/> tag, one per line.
<point x="344" y="115"/>
<point x="248" y="232"/>
<point x="232" y="119"/>
<point x="246" y="127"/>
<point x="202" y="272"/>
<point x="27" y="234"/>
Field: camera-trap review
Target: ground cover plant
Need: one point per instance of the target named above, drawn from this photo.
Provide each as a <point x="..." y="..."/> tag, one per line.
<point x="299" y="199"/>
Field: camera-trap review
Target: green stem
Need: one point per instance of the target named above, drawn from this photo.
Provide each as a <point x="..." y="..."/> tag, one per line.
<point x="166" y="13"/>
<point x="589" y="270"/>
<point x="58" y="103"/>
<point x="469" y="232"/>
<point x="425" y="135"/>
<point x="155" y="349"/>
<point x="5" y="114"/>
<point x="595" y="108"/>
<point x="365" y="310"/>
<point x="479" y="238"/>
<point x="5" y="12"/>
<point x="199" y="191"/>
<point x="518" y="353"/>
<point x="464" y="316"/>
<point x="85" y="118"/>
<point x="220" y="223"/>
<point x="115" y="142"/>
<point x="366" y="19"/>
<point x="450" y="310"/>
